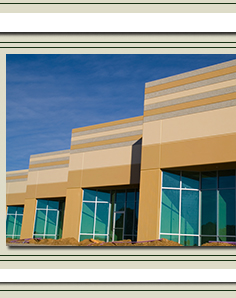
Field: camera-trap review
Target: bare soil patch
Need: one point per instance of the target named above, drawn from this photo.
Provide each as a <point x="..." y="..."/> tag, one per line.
<point x="93" y="242"/>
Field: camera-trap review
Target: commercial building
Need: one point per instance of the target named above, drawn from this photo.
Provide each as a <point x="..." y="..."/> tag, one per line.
<point x="167" y="174"/>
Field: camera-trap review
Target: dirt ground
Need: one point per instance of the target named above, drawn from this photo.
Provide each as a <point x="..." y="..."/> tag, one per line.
<point x="92" y="242"/>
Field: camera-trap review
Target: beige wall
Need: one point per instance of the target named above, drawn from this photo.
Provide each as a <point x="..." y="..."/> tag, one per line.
<point x="16" y="187"/>
<point x="47" y="176"/>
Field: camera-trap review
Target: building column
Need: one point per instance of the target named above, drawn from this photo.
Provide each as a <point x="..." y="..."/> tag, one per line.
<point x="72" y="215"/>
<point x="27" y="228"/>
<point x="149" y="205"/>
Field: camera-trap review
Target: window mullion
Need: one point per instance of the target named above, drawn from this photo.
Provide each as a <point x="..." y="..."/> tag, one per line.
<point x="199" y="211"/>
<point x="95" y="215"/>
<point x="14" y="226"/>
<point x="45" y="225"/>
<point x="180" y="198"/>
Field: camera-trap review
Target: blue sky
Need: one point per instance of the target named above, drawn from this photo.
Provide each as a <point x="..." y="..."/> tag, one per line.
<point x="49" y="95"/>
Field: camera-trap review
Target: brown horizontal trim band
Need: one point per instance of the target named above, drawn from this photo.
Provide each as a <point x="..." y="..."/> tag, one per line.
<point x="107" y="124"/>
<point x="191" y="104"/>
<point x="106" y="142"/>
<point x="47" y="190"/>
<point x="16" y="177"/>
<point x="191" y="152"/>
<point x="207" y="150"/>
<point x="192" y="79"/>
<point x="55" y="163"/>
<point x="104" y="177"/>
<point x="207" y="167"/>
<point x="15" y="199"/>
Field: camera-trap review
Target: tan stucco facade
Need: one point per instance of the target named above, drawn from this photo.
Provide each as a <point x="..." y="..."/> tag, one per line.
<point x="189" y="122"/>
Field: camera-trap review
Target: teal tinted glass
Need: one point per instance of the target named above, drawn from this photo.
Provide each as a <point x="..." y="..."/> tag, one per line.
<point x="120" y="201"/>
<point x="129" y="221"/>
<point x="102" y="218"/>
<point x="209" y="180"/>
<point x="87" y="217"/>
<point x="190" y="180"/>
<point x="61" y="217"/>
<point x="209" y="201"/>
<point x="20" y="210"/>
<point x="49" y="237"/>
<point x="226" y="179"/>
<point x="10" y="224"/>
<point x="101" y="237"/>
<point x="130" y="200"/>
<point x="119" y="220"/>
<point x="53" y="205"/>
<point x="206" y="239"/>
<point x="118" y="235"/>
<point x="171" y="179"/>
<point x="170" y="211"/>
<point x="189" y="212"/>
<point x="103" y="196"/>
<point x="227" y="212"/>
<point x="89" y="195"/>
<point x="228" y="239"/>
<point x="42" y="204"/>
<point x="128" y="237"/>
<point x="83" y="237"/>
<point x="189" y="240"/>
<point x="39" y="222"/>
<point x="170" y="237"/>
<point x="18" y="225"/>
<point x="129" y="214"/>
<point x="51" y="222"/>
<point x="11" y="210"/>
<point x="136" y="213"/>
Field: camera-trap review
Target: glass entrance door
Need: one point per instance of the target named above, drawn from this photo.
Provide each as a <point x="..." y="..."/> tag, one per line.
<point x="118" y="226"/>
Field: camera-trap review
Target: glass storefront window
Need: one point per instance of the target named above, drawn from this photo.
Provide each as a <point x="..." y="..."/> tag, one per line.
<point x="14" y="221"/>
<point x="189" y="212"/>
<point x="205" y="210"/>
<point x="227" y="179"/>
<point x="49" y="219"/>
<point x="209" y="212"/>
<point x="209" y="180"/>
<point x="110" y="215"/>
<point x="171" y="179"/>
<point x="227" y="212"/>
<point x="170" y="211"/>
<point x="190" y="180"/>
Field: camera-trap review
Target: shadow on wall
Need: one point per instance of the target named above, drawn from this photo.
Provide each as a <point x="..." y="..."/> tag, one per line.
<point x="135" y="162"/>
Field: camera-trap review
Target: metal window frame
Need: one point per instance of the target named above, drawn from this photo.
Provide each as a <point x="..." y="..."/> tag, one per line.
<point x="199" y="235"/>
<point x="14" y="225"/>
<point x="45" y="221"/>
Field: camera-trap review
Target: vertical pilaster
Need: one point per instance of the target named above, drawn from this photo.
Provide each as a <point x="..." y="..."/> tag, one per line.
<point x="72" y="215"/>
<point x="149" y="204"/>
<point x="28" y="218"/>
